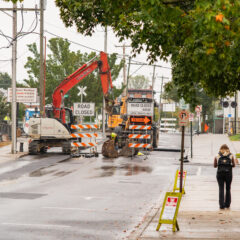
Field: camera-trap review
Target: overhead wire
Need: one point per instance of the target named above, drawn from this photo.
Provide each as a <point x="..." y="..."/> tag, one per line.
<point x="21" y="34"/>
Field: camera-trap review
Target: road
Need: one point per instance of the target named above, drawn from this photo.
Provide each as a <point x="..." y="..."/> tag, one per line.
<point x="54" y="197"/>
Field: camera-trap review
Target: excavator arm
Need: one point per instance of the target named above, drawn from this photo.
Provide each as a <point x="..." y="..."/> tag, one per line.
<point x="79" y="75"/>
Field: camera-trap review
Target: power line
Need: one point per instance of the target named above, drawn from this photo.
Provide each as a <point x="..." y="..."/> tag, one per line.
<point x="55" y="35"/>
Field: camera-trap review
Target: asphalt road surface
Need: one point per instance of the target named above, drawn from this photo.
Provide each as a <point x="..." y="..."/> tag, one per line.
<point x="54" y="197"/>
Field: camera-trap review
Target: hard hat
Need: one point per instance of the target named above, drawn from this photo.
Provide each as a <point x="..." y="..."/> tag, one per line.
<point x="113" y="135"/>
<point x="140" y="154"/>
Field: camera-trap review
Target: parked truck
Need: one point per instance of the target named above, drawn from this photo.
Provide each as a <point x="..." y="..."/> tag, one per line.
<point x="134" y="125"/>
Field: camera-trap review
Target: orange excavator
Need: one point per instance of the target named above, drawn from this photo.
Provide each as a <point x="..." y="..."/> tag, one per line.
<point x="54" y="130"/>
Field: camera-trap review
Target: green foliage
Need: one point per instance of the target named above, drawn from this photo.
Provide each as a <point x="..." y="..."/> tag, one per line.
<point x="14" y="1"/>
<point x="4" y="107"/>
<point x="138" y="82"/>
<point x="61" y="63"/>
<point x="198" y="97"/>
<point x="5" y="80"/>
<point x="235" y="138"/>
<point x="202" y="37"/>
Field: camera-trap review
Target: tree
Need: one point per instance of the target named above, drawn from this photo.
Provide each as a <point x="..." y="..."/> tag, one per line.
<point x="138" y="82"/>
<point x="5" y="80"/>
<point x="203" y="32"/>
<point x="198" y="97"/>
<point x="61" y="63"/>
<point x="4" y="108"/>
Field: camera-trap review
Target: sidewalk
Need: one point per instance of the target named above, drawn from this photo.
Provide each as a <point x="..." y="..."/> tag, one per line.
<point x="199" y="215"/>
<point x="5" y="151"/>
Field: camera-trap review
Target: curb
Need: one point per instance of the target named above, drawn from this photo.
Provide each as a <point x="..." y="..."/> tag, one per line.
<point x="149" y="216"/>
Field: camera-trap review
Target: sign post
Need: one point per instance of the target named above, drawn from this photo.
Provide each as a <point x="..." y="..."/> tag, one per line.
<point x="81" y="93"/>
<point x="198" y="110"/>
<point x="183" y="121"/>
<point x="191" y="117"/>
<point x="170" y="210"/>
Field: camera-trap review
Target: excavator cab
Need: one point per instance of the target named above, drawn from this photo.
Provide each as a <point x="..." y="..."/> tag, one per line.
<point x="65" y="113"/>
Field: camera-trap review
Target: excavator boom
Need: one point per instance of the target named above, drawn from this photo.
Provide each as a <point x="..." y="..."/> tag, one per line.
<point x="77" y="76"/>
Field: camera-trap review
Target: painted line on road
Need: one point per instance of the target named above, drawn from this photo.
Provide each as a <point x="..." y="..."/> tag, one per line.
<point x="199" y="171"/>
<point x="36" y="225"/>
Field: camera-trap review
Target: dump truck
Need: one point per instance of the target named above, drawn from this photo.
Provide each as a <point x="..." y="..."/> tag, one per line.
<point x="136" y="130"/>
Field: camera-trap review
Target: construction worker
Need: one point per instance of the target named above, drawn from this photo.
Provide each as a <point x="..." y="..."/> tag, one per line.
<point x="115" y="138"/>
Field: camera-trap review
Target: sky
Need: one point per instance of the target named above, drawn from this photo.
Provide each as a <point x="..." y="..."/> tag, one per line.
<point x="53" y="25"/>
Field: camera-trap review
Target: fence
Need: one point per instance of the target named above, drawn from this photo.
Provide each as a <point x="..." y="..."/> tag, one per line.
<point x="5" y="129"/>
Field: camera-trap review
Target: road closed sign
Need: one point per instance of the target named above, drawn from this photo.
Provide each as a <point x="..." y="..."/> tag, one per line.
<point x="83" y="109"/>
<point x="140" y="109"/>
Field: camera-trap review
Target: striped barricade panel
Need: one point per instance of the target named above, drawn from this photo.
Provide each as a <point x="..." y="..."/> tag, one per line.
<point x="140" y="127"/>
<point x="84" y="135"/>
<point x="82" y="144"/>
<point x="139" y="136"/>
<point x="84" y="126"/>
<point x="139" y="145"/>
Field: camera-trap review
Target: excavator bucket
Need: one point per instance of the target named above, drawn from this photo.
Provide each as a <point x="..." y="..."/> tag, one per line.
<point x="109" y="105"/>
<point x="108" y="149"/>
<point x="126" y="151"/>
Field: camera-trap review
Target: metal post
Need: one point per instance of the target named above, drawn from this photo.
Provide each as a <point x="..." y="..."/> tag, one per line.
<point x="235" y="115"/>
<point x="124" y="71"/>
<point x="41" y="76"/>
<point x="14" y="71"/>
<point x="160" y="101"/>
<point x="129" y="64"/>
<point x="191" y="140"/>
<point x="181" y="164"/>
<point x="104" y="104"/>
<point x="153" y="77"/>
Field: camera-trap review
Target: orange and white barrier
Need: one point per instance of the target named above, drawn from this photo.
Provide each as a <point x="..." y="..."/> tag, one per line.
<point x="84" y="135"/>
<point x="140" y="127"/>
<point x="139" y="145"/>
<point x="139" y="136"/>
<point x="84" y="126"/>
<point x="82" y="144"/>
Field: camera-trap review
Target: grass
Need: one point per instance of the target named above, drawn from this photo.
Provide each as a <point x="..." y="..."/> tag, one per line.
<point x="235" y="137"/>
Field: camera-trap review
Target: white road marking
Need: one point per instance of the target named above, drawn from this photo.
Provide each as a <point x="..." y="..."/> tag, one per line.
<point x="36" y="225"/>
<point x="199" y="171"/>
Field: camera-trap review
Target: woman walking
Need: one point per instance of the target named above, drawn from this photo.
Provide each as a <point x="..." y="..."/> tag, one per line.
<point x="224" y="162"/>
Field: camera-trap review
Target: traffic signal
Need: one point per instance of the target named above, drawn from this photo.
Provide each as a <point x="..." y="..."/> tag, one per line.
<point x="233" y="104"/>
<point x="225" y="104"/>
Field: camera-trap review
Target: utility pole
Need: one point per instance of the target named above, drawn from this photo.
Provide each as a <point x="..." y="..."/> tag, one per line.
<point x="41" y="75"/>
<point x="153" y="77"/>
<point x="124" y="68"/>
<point x="129" y="64"/>
<point x="160" y="100"/>
<point x="14" y="9"/>
<point x="104" y="104"/>
<point x="14" y="70"/>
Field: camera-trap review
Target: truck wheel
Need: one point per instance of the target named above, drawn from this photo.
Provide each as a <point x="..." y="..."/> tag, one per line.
<point x="33" y="148"/>
<point x="43" y="150"/>
<point x="66" y="148"/>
